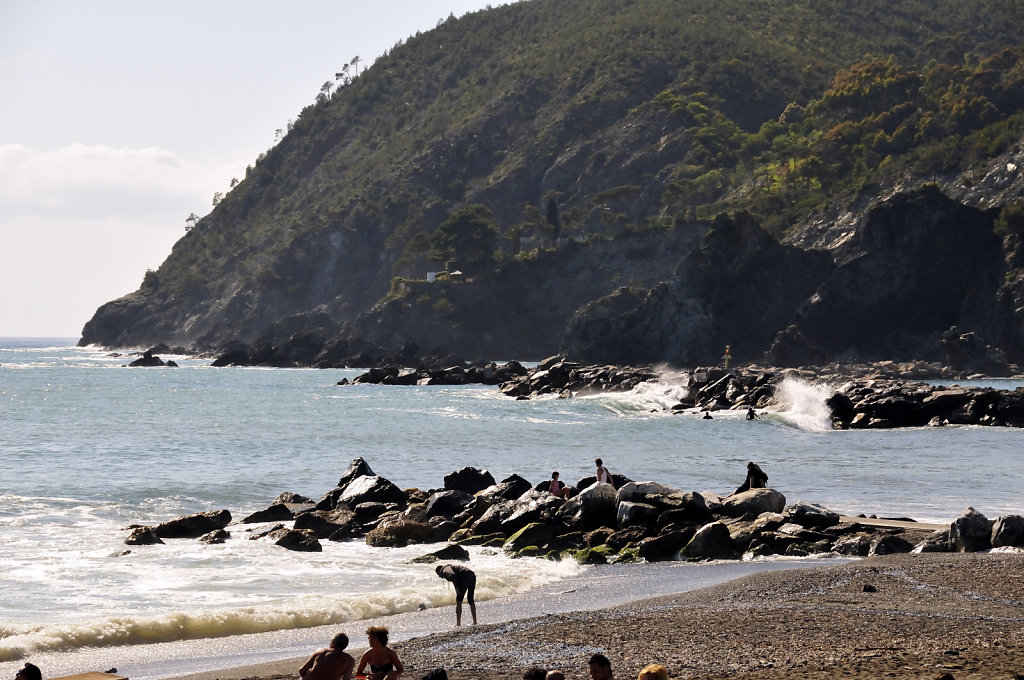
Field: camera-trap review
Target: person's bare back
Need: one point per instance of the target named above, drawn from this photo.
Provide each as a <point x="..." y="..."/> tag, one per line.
<point x="332" y="663"/>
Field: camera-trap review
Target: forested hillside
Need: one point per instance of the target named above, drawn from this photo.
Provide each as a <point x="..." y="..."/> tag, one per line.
<point x="568" y="156"/>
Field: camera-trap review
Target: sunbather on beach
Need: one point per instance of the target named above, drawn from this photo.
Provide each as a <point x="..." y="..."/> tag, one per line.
<point x="381" y="659"/>
<point x="600" y="667"/>
<point x="333" y="663"/>
<point x="653" y="672"/>
<point x="29" y="672"/>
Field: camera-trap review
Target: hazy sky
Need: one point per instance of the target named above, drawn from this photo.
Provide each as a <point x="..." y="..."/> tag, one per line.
<point x="118" y="118"/>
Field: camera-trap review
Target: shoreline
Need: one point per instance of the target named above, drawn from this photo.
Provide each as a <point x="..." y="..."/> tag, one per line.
<point x="911" y="616"/>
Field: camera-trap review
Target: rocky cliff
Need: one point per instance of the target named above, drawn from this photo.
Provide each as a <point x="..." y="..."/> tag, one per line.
<point x="658" y="180"/>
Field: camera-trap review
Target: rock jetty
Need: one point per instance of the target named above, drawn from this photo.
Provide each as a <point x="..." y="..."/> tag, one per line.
<point x="880" y="395"/>
<point x="629" y="521"/>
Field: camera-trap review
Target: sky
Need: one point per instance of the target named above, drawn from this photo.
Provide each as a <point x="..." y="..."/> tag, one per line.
<point x="119" y="118"/>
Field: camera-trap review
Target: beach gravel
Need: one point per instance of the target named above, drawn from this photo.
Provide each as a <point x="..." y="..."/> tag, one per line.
<point x="899" y="616"/>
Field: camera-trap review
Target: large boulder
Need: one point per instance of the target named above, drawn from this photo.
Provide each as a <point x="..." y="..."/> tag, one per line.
<point x="753" y="502"/>
<point x="448" y="503"/>
<point x="812" y="515"/>
<point x="449" y="553"/>
<point x="535" y="534"/>
<point x="301" y="540"/>
<point x="372" y="489"/>
<point x="398" y="532"/>
<point x="593" y="507"/>
<point x="194" y="526"/>
<point x="490" y="522"/>
<point x="630" y="514"/>
<point x="1008" y="530"/>
<point x="468" y="479"/>
<point x="356" y="469"/>
<point x="711" y="542"/>
<point x="326" y="523"/>
<point x="142" y="536"/>
<point x="970" y="532"/>
<point x="639" y="491"/>
<point x="665" y="547"/>
<point x="278" y="512"/>
<point x="508" y="489"/>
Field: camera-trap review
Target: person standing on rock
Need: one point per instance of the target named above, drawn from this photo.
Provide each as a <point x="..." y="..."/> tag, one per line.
<point x="604" y="476"/>
<point x="464" y="580"/>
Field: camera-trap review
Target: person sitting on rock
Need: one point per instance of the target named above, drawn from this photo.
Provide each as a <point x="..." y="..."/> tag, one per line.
<point x="756" y="479"/>
<point x="558" y="487"/>
<point x="333" y="663"/>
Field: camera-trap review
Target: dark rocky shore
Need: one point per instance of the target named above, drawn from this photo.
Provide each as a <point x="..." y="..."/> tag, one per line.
<point x="882" y="394"/>
<point x="600" y="523"/>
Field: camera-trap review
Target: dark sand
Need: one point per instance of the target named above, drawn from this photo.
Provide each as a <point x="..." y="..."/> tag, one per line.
<point x="927" y="615"/>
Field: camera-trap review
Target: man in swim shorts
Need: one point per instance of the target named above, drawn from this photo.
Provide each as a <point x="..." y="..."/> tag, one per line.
<point x="464" y="581"/>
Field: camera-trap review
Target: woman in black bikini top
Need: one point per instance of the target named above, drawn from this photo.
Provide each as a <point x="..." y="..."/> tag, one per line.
<point x="382" y="660"/>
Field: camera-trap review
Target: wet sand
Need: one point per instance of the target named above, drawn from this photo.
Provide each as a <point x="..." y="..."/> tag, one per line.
<point x="903" y="616"/>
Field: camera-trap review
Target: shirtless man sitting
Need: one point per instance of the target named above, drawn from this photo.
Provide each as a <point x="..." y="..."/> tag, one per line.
<point x="333" y="663"/>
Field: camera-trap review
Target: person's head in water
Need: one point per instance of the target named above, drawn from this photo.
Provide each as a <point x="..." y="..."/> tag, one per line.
<point x="339" y="642"/>
<point x="29" y="672"/>
<point x="600" y="667"/>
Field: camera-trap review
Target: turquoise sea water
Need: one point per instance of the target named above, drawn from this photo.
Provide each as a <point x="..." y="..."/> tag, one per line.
<point x="89" y="446"/>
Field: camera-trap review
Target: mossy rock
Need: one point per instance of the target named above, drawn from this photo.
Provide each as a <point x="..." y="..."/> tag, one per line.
<point x="447" y="553"/>
<point x="459" y="536"/>
<point x="530" y="551"/>
<point x="627" y="556"/>
<point x="598" y="555"/>
<point x="533" y="534"/>
<point x="555" y="555"/>
<point x="496" y="541"/>
<point x="483" y="539"/>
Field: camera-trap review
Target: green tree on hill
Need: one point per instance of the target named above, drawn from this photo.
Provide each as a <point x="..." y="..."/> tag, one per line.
<point x="468" y="236"/>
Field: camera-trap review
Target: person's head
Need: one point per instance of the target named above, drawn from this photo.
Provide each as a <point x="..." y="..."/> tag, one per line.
<point x="555" y="675"/>
<point x="378" y="633"/>
<point x="598" y="462"/>
<point x="554" y="475"/>
<point x="653" y="672"/>
<point x="29" y="672"/>
<point x="339" y="642"/>
<point x="533" y="674"/>
<point x="600" y="667"/>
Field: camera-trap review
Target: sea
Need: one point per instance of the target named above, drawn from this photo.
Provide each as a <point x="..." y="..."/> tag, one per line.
<point x="90" y="446"/>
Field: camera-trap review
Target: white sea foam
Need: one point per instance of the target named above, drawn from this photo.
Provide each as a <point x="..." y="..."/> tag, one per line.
<point x="802" y="405"/>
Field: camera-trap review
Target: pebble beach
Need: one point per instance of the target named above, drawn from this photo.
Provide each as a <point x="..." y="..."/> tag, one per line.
<point x="904" y="616"/>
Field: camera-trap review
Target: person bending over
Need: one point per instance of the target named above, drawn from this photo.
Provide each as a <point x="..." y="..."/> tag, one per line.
<point x="333" y="663"/>
<point x="464" y="581"/>
<point x="382" y="660"/>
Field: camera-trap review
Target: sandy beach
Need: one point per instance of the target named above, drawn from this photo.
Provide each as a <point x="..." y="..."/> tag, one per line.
<point x="903" y="616"/>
